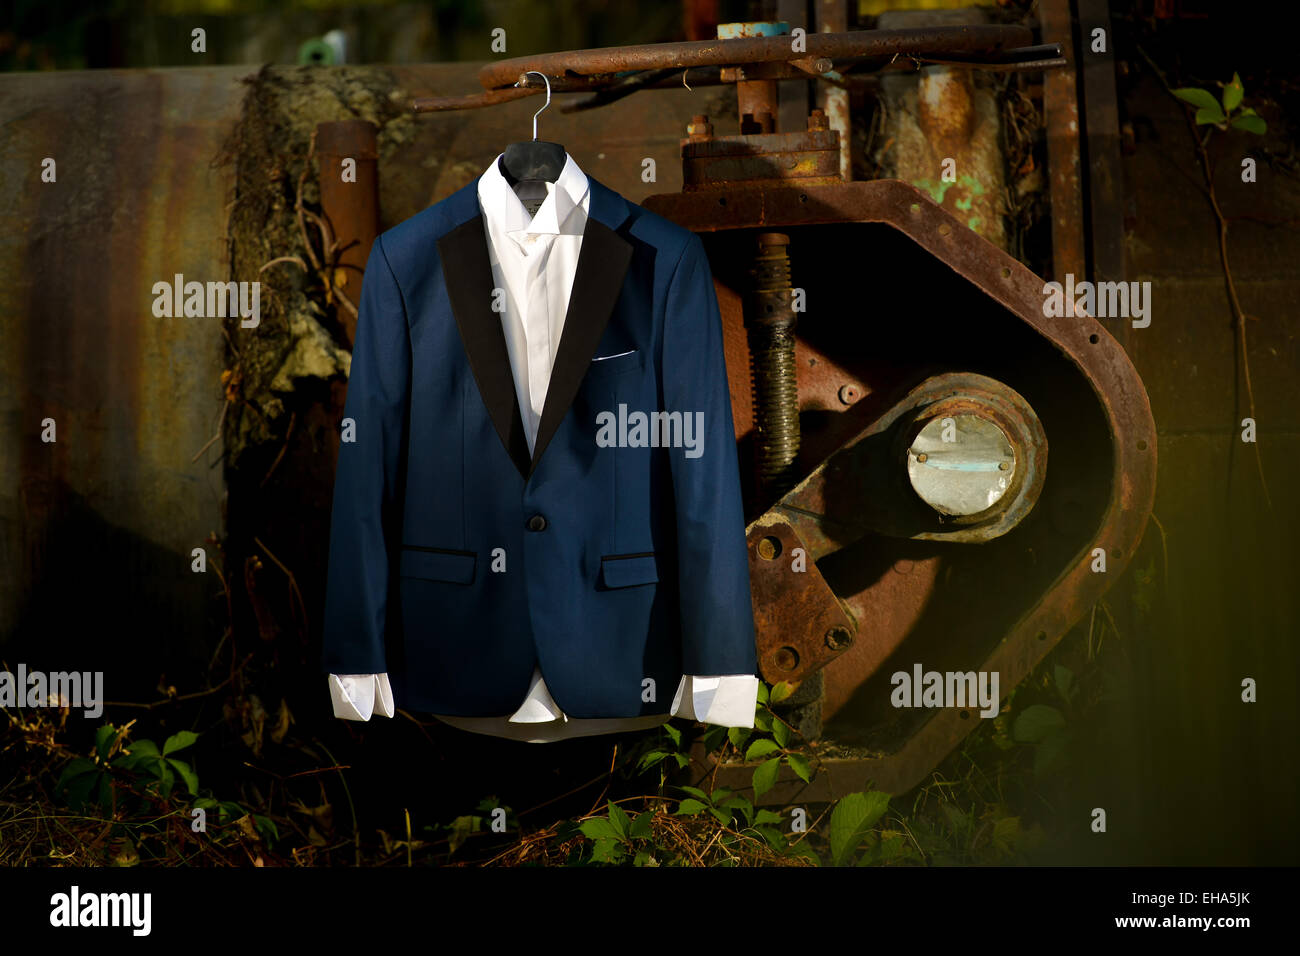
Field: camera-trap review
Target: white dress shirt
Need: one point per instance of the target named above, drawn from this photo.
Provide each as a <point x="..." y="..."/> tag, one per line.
<point x="534" y="254"/>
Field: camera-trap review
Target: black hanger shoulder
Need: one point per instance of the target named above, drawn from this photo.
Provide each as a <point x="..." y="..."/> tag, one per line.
<point x="534" y="160"/>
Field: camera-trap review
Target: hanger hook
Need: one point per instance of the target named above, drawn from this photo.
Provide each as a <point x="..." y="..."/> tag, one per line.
<point x="521" y="81"/>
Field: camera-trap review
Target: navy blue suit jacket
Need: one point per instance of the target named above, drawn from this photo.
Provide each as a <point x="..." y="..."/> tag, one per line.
<point x="621" y="564"/>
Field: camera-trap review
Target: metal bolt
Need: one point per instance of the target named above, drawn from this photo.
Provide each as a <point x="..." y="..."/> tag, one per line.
<point x="922" y="457"/>
<point x="699" y="128"/>
<point x="838" y="638"/>
<point x="848" y="394"/>
<point x="769" y="548"/>
<point x="787" y="658"/>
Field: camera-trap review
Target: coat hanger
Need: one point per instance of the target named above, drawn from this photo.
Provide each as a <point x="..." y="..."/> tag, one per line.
<point x="536" y="161"/>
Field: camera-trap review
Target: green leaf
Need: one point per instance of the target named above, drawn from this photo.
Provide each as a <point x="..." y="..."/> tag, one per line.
<point x="775" y="838"/>
<point x="76" y="767"/>
<point x="205" y="803"/>
<point x="720" y="795"/>
<point x="1037" y="723"/>
<point x="598" y="828"/>
<point x="167" y="780"/>
<point x="761" y="748"/>
<point x="781" y="731"/>
<point x="1006" y="832"/>
<point x="606" y="851"/>
<point x="891" y="845"/>
<point x="104" y="737"/>
<point x="674" y="733"/>
<point x="682" y="760"/>
<point x="1232" y="94"/>
<point x="190" y="778"/>
<point x="652" y="758"/>
<point x="143" y="748"/>
<point x="179" y="741"/>
<point x="688" y="807"/>
<point x="766" y="816"/>
<point x="738" y="736"/>
<point x="762" y="693"/>
<point x="266" y="827"/>
<point x="619" y="819"/>
<point x="79" y="787"/>
<point x="743" y="806"/>
<point x="640" y="828"/>
<point x="780" y="691"/>
<point x="765" y="776"/>
<point x="960" y="822"/>
<point x="852" y="817"/>
<point x="799" y="764"/>
<point x="1208" y="116"/>
<point x="697" y="792"/>
<point x="104" y="792"/>
<point x="763" y="721"/>
<point x="723" y="816"/>
<point x="1251" y="124"/>
<point x="1202" y="99"/>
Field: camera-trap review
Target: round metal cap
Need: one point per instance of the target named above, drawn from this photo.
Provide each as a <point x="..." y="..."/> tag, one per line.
<point x="961" y="464"/>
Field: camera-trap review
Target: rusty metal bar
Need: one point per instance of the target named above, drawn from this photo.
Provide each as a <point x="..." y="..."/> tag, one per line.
<point x="832" y="16"/>
<point x="850" y="45"/>
<point x="349" y="197"/>
<point x="1104" y="171"/>
<point x="1061" y="106"/>
<point x="437" y="104"/>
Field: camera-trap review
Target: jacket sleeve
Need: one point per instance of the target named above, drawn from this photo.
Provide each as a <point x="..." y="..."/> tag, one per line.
<point x="717" y="616"/>
<point x="365" y="523"/>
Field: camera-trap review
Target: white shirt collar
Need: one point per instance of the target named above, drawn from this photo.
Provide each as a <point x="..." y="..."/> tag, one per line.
<point x="506" y="212"/>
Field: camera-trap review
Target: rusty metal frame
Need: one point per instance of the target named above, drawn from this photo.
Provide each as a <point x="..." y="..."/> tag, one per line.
<point x="603" y="67"/>
<point x="1082" y="340"/>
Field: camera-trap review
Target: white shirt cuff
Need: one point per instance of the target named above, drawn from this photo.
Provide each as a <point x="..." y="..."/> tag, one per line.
<point x="358" y="696"/>
<point x="728" y="701"/>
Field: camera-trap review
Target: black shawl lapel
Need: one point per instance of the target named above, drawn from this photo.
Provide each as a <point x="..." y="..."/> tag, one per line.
<point x="597" y="282"/>
<point x="468" y="274"/>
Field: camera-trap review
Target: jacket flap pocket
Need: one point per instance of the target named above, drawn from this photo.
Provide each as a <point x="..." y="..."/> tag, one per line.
<point x="437" y="565"/>
<point x="624" y="571"/>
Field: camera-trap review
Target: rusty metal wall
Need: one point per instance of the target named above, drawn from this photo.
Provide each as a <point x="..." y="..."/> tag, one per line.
<point x="96" y="528"/>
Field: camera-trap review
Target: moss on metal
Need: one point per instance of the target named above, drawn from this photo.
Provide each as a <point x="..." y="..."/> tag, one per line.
<point x="299" y="339"/>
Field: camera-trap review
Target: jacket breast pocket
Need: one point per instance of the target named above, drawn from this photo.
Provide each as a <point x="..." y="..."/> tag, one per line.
<point x="600" y="367"/>
<point x="628" y="570"/>
<point x="437" y="564"/>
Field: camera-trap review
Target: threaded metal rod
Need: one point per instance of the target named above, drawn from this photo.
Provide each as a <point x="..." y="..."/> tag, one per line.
<point x="770" y="322"/>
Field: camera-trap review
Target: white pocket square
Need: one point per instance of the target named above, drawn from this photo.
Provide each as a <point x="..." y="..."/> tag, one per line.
<point x="601" y="358"/>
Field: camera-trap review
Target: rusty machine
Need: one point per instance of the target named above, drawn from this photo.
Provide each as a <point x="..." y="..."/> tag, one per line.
<point x="896" y="388"/>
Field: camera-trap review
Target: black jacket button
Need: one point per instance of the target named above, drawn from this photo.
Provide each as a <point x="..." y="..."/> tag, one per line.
<point x="536" y="523"/>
